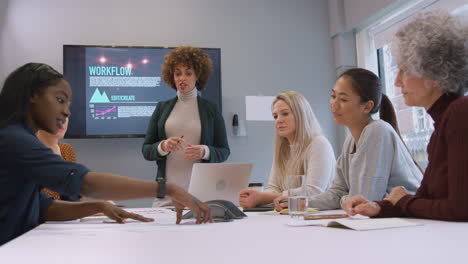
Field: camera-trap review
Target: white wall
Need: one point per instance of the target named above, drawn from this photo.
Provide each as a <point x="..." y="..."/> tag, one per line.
<point x="267" y="46"/>
<point x="344" y="17"/>
<point x="358" y="11"/>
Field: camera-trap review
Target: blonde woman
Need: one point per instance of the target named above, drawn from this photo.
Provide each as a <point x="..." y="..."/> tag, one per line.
<point x="300" y="148"/>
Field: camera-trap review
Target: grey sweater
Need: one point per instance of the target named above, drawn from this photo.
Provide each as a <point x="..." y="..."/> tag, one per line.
<point x="380" y="162"/>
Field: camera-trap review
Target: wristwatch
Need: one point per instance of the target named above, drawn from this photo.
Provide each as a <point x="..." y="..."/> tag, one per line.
<point x="161" y="187"/>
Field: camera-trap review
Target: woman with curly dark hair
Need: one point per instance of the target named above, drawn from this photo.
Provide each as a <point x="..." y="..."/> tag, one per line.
<point x="186" y="129"/>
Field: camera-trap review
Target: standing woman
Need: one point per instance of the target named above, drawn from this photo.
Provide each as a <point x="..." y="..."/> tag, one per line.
<point x="432" y="56"/>
<point x="374" y="159"/>
<point x="186" y="129"/>
<point x="300" y="149"/>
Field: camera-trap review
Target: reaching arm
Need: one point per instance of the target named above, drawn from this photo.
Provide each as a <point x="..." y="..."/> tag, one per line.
<point x="116" y="187"/>
<point x="65" y="211"/>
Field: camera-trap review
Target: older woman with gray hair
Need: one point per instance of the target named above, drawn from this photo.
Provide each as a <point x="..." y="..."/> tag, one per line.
<point x="432" y="56"/>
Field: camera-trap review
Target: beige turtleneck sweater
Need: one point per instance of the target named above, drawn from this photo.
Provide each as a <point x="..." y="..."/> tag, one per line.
<point x="184" y="120"/>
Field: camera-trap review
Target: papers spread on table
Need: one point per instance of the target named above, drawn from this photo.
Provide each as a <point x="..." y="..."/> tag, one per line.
<point x="147" y="212"/>
<point x="359" y="224"/>
<point x="164" y="220"/>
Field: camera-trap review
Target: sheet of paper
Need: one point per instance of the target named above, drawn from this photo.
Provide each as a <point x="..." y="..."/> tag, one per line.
<point x="164" y="219"/>
<point x="302" y="222"/>
<point x="258" y="108"/>
<point x="372" y="224"/>
<point x="359" y="224"/>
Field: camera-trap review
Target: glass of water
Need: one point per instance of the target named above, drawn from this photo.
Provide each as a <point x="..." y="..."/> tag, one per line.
<point x="297" y="196"/>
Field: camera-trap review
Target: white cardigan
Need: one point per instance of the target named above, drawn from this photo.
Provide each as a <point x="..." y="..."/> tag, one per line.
<point x="319" y="168"/>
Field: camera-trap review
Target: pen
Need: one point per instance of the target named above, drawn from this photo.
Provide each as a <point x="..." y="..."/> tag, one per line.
<point x="282" y="201"/>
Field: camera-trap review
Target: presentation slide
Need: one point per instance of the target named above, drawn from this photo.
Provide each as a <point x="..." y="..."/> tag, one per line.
<point x="123" y="84"/>
<point x="116" y="89"/>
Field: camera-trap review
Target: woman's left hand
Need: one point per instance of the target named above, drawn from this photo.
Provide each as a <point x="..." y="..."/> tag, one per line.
<point x="280" y="203"/>
<point x="194" y="152"/>
<point x="396" y="194"/>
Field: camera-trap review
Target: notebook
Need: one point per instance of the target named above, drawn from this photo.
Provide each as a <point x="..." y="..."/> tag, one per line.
<point x="219" y="181"/>
<point x="358" y="224"/>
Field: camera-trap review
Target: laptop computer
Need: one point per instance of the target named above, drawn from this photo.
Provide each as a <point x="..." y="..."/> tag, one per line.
<point x="219" y="181"/>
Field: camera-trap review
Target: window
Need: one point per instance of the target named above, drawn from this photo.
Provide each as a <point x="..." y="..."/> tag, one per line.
<point x="414" y="123"/>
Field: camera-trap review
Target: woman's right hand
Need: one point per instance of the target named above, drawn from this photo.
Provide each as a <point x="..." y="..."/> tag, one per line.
<point x="360" y="205"/>
<point x="181" y="199"/>
<point x="172" y="144"/>
<point x="248" y="198"/>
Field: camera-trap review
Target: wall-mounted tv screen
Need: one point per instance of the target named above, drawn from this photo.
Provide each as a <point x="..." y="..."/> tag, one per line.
<point x="116" y="89"/>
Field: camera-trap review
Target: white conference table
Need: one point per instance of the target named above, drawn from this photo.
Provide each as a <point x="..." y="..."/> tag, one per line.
<point x="255" y="239"/>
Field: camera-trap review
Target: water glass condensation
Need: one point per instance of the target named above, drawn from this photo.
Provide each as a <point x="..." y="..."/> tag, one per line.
<point x="297" y="195"/>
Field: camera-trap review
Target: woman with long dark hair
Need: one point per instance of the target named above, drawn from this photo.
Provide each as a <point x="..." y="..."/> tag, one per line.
<point x="374" y="159"/>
